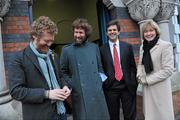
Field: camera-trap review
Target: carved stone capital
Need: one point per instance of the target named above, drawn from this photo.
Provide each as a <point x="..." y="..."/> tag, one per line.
<point x="4" y="7"/>
<point x="126" y="2"/>
<point x="166" y="10"/>
<point x="109" y="4"/>
<point x="142" y="9"/>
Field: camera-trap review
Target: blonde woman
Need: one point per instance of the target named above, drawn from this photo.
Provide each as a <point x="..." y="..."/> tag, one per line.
<point x="156" y="65"/>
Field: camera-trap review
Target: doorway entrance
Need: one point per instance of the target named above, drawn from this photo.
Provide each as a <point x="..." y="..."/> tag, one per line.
<point x="63" y="12"/>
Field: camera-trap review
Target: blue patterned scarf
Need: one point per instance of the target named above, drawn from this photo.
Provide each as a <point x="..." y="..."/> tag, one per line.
<point x="48" y="71"/>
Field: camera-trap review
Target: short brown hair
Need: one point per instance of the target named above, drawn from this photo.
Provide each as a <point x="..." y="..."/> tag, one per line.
<point x="83" y="24"/>
<point x="150" y="23"/>
<point x="114" y="22"/>
<point x="41" y="24"/>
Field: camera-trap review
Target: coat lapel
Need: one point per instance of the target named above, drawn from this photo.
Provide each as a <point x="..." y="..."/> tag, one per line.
<point x="32" y="57"/>
<point x="109" y="55"/>
<point x="155" y="47"/>
<point x="121" y="50"/>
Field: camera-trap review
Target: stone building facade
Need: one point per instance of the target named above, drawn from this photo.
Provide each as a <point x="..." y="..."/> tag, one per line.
<point x="16" y="16"/>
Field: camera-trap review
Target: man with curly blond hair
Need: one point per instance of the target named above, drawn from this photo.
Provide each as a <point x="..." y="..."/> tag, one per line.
<point x="35" y="77"/>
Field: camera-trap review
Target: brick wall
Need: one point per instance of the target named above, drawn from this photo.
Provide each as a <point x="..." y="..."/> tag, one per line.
<point x="129" y="29"/>
<point x="130" y="34"/>
<point x="176" y="102"/>
<point x="15" y="29"/>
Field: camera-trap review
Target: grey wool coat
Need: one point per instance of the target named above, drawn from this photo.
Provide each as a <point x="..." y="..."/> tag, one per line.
<point x="80" y="66"/>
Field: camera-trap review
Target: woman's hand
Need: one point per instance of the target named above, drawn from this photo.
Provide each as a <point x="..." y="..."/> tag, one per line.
<point x="142" y="80"/>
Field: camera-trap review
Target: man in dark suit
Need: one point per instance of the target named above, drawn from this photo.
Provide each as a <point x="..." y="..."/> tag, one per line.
<point x="35" y="78"/>
<point x="120" y="68"/>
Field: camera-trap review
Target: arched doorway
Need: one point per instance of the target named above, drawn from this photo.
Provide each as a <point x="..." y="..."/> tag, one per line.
<point x="63" y="12"/>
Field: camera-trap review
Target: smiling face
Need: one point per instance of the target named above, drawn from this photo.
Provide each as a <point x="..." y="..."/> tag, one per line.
<point x="113" y="33"/>
<point x="79" y="35"/>
<point x="149" y="33"/>
<point x="44" y="42"/>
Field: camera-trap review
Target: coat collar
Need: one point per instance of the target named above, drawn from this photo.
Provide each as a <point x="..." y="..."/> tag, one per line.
<point x="33" y="58"/>
<point x="121" y="47"/>
<point x="109" y="55"/>
<point x="156" y="46"/>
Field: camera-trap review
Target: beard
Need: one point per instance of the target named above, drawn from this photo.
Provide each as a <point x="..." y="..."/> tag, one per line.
<point x="80" y="42"/>
<point x="43" y="48"/>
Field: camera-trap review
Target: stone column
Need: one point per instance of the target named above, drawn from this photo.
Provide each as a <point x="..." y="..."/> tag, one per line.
<point x="142" y="10"/>
<point x="4" y="7"/>
<point x="3" y="85"/>
<point x="7" y="111"/>
<point x="165" y="13"/>
<point x="4" y="92"/>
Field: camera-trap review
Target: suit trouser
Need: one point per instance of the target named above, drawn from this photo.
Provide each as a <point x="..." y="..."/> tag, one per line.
<point x="128" y="101"/>
<point x="56" y="116"/>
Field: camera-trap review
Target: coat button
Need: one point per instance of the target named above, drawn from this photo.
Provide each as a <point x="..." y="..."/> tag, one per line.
<point x="82" y="84"/>
<point x="93" y="99"/>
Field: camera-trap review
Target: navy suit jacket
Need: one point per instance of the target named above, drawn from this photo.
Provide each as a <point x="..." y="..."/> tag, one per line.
<point x="127" y="63"/>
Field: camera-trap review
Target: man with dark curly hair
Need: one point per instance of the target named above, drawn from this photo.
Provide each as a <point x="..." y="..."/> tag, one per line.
<point x="35" y="77"/>
<point x="81" y="67"/>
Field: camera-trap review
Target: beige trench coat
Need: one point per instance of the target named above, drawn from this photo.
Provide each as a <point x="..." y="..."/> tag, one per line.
<point x="157" y="95"/>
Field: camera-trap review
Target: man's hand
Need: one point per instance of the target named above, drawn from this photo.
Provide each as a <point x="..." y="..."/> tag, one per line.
<point x="57" y="94"/>
<point x="67" y="91"/>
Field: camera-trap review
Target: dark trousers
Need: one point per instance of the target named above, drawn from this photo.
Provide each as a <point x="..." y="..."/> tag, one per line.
<point x="128" y="101"/>
<point x="56" y="116"/>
